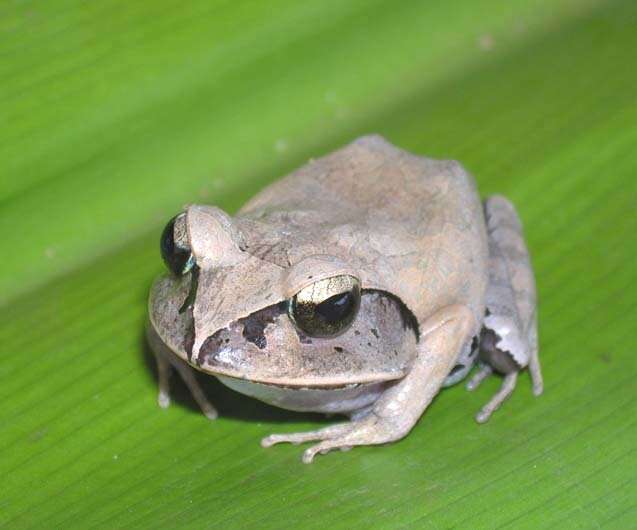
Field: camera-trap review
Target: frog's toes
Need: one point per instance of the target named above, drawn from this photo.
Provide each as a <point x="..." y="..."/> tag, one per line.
<point x="309" y="436"/>
<point x="163" y="399"/>
<point x="323" y="448"/>
<point x="369" y="431"/>
<point x="211" y="414"/>
<point x="538" y="388"/>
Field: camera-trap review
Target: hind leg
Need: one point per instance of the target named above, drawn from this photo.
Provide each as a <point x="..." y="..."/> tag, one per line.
<point x="508" y="342"/>
<point x="534" y="360"/>
<point x="506" y="389"/>
<point x="483" y="372"/>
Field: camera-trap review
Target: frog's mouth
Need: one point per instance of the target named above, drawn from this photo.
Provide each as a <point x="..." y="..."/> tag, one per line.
<point x="344" y="386"/>
<point x="309" y="382"/>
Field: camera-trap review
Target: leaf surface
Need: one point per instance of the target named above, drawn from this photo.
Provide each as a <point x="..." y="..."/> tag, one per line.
<point x="114" y="114"/>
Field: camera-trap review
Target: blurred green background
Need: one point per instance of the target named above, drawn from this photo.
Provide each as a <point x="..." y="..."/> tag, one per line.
<point x="113" y="114"/>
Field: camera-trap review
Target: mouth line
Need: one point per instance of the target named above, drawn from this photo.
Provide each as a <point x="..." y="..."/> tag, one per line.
<point x="324" y="383"/>
<point x="300" y="386"/>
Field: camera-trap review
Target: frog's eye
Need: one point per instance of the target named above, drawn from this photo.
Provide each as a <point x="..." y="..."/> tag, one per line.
<point x="327" y="307"/>
<point x="175" y="249"/>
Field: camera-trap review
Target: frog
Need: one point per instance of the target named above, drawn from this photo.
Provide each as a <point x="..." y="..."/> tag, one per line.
<point x="360" y="285"/>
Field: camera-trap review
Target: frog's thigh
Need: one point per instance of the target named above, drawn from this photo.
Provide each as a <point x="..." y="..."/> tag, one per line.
<point x="400" y="406"/>
<point x="511" y="296"/>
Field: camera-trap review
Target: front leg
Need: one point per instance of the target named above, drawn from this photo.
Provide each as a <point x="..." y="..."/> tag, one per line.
<point x="401" y="405"/>
<point x="166" y="361"/>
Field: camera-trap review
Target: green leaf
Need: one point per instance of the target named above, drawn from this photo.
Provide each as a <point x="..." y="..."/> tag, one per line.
<point x="114" y="114"/>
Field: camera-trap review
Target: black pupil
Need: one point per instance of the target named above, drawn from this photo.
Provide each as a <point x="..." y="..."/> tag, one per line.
<point x="336" y="308"/>
<point x="174" y="257"/>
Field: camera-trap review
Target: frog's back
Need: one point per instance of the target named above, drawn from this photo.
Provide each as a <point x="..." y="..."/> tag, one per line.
<point x="372" y="176"/>
<point x="414" y="226"/>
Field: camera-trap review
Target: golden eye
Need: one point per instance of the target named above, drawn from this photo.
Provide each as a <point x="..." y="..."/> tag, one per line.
<point x="327" y="307"/>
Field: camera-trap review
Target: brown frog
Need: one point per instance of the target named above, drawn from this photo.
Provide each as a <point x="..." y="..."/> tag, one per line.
<point x="361" y="284"/>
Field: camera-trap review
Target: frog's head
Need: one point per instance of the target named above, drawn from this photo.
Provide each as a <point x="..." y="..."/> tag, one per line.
<point x="231" y="311"/>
